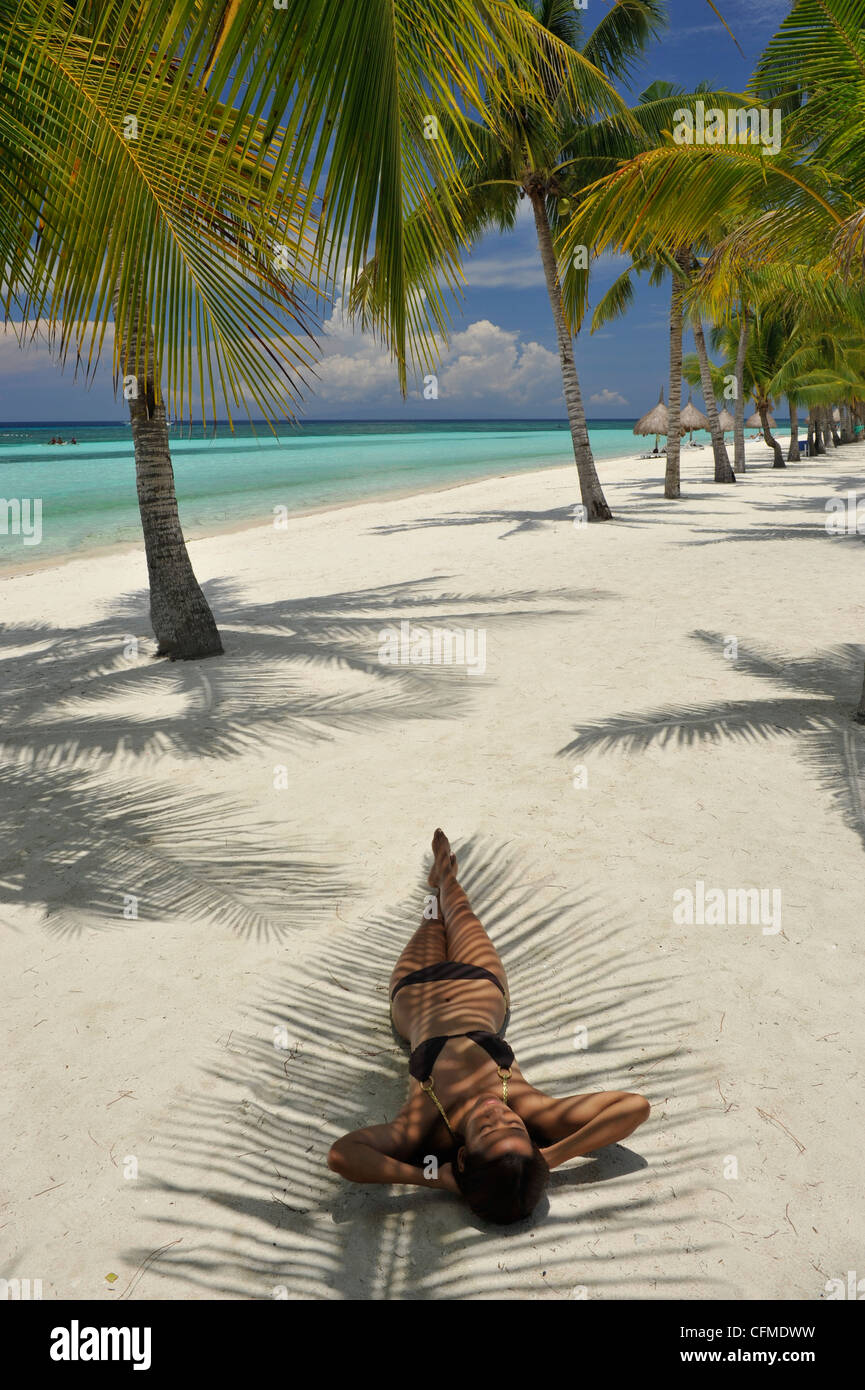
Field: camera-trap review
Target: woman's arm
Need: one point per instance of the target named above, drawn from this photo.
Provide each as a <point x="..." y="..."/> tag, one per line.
<point x="373" y="1155"/>
<point x="594" y="1121"/>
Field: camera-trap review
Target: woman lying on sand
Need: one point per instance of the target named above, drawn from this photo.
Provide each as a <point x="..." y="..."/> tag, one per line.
<point x="493" y="1136"/>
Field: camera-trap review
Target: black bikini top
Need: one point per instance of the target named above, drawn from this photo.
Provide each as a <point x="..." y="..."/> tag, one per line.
<point x="425" y="1055"/>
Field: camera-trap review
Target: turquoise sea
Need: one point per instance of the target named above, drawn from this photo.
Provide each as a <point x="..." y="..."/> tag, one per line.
<point x="223" y="479"/>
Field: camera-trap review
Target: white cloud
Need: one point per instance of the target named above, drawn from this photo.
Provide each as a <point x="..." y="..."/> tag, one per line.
<point x="483" y="361"/>
<point x="607" y="397"/>
<point x="611" y="260"/>
<point x="42" y="384"/>
<point x="524" y="271"/>
<point x="679" y="34"/>
<point x="486" y="360"/>
<point x="520" y="272"/>
<point x="21" y="353"/>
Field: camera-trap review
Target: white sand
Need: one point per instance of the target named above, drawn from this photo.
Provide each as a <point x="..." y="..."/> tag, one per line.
<point x="263" y="909"/>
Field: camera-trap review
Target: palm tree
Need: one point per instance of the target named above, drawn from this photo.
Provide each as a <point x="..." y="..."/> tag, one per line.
<point x="769" y="343"/>
<point x="719" y="376"/>
<point x="807" y="345"/>
<point x="804" y="206"/>
<point x="121" y="199"/>
<point x="614" y="303"/>
<point x="773" y="355"/>
<point x="681" y="265"/>
<point x="130" y="186"/>
<point x="180" y="615"/>
<point x="723" y="472"/>
<point x="681" y="259"/>
<point x="548" y="152"/>
<point x="745" y="320"/>
<point x="793" y="454"/>
<point x="524" y="150"/>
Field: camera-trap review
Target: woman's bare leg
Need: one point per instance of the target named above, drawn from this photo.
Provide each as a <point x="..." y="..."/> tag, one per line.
<point x="465" y="936"/>
<point x="427" y="946"/>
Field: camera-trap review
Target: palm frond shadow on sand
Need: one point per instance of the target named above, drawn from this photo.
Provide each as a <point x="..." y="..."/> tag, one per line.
<point x="819" y="716"/>
<point x="259" y="1211"/>
<point x="83" y="830"/>
<point x="92" y="850"/>
<point x="295" y="669"/>
<point x="785" y="523"/>
<point x="518" y="521"/>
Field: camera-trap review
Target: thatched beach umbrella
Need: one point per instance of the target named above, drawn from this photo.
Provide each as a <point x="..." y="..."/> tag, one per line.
<point x="726" y="421"/>
<point x="693" y="420"/>
<point x="656" y="421"/>
<point x="755" y="423"/>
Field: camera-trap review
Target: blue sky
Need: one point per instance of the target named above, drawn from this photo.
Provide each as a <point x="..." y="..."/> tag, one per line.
<point x="502" y="361"/>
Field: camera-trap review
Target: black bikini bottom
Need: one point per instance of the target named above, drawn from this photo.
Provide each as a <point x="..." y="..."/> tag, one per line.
<point x="447" y="970"/>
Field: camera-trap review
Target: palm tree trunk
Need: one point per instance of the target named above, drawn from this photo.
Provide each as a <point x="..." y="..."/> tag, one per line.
<point x="819" y="441"/>
<point x="833" y="428"/>
<point x="182" y="621"/>
<point x="846" y="424"/>
<point x="723" y="471"/>
<point x="812" y="434"/>
<point x="739" y="413"/>
<point x="763" y="408"/>
<point x="591" y="491"/>
<point x="793" y="455"/>
<point x="824" y="431"/>
<point x="674" y="439"/>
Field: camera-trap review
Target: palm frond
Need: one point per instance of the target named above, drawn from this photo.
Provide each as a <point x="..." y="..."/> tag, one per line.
<point x="241" y="109"/>
<point x="617" y="300"/>
<point x="674" y="195"/>
<point x="621" y="35"/>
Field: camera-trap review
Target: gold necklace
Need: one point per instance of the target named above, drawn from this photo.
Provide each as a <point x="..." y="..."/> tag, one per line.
<point x="427" y="1086"/>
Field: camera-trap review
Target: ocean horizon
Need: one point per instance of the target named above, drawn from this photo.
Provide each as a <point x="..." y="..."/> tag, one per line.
<point x="226" y="478"/>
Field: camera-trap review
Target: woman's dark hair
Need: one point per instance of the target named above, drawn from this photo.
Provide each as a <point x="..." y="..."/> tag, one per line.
<point x="503" y="1189"/>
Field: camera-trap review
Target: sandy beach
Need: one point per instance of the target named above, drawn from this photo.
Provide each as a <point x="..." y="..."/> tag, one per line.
<point x="209" y="869"/>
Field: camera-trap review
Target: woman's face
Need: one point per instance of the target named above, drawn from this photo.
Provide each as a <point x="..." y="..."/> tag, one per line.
<point x="491" y="1129"/>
